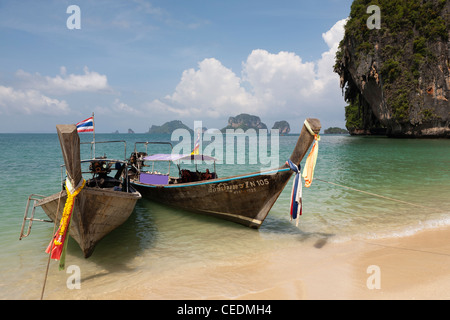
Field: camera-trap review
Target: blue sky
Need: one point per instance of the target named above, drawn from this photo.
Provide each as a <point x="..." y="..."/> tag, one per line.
<point x="136" y="63"/>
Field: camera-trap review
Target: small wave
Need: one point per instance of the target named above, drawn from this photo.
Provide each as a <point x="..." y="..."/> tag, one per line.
<point x="409" y="230"/>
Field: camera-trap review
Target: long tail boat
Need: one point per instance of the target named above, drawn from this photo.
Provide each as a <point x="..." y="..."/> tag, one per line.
<point x="245" y="199"/>
<point x="102" y="205"/>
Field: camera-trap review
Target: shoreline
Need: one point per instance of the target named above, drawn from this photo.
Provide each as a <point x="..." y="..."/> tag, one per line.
<point x="410" y="267"/>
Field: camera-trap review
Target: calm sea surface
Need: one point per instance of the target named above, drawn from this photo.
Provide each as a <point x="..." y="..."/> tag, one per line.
<point x="157" y="240"/>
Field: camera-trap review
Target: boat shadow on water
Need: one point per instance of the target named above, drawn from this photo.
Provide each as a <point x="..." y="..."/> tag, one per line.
<point x="283" y="227"/>
<point x="117" y="250"/>
<point x="153" y="226"/>
<point x="171" y="219"/>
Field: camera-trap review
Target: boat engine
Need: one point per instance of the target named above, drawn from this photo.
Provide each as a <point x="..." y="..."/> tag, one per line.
<point x="100" y="168"/>
<point x="136" y="159"/>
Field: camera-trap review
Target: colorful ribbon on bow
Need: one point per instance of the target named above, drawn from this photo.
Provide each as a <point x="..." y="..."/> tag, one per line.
<point x="308" y="175"/>
<point x="58" y="244"/>
<point x="308" y="171"/>
<point x="296" y="195"/>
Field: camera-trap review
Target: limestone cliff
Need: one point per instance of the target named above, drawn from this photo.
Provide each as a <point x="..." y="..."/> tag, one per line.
<point x="245" y="121"/>
<point x="283" y="126"/>
<point x="396" y="79"/>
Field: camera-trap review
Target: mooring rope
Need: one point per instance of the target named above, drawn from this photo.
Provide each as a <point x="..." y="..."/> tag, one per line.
<point x="396" y="200"/>
<point x="383" y="197"/>
<point x="408" y="249"/>
<point x="373" y="194"/>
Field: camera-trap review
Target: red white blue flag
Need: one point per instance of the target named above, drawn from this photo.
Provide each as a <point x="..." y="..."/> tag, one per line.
<point x="86" y="125"/>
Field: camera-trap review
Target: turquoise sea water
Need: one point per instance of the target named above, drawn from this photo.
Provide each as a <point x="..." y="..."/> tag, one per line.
<point x="157" y="239"/>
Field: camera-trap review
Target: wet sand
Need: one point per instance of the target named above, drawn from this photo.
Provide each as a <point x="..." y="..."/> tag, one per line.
<point x="412" y="267"/>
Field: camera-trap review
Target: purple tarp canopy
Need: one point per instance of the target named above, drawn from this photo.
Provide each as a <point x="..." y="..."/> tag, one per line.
<point x="175" y="157"/>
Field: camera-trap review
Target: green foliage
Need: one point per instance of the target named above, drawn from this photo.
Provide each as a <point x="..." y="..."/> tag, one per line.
<point x="365" y="47"/>
<point x="417" y="61"/>
<point x="420" y="46"/>
<point x="391" y="70"/>
<point x="353" y="118"/>
<point x="400" y="105"/>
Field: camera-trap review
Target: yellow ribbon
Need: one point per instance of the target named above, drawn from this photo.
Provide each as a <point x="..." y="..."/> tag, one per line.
<point x="308" y="171"/>
<point x="68" y="207"/>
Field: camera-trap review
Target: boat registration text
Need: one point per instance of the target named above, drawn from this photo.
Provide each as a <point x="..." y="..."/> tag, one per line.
<point x="241" y="187"/>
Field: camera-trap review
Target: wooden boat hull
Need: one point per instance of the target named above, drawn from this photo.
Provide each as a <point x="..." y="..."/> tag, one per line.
<point x="96" y="213"/>
<point x="245" y="199"/>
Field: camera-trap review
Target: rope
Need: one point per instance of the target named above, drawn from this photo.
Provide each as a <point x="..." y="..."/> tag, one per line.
<point x="380" y="196"/>
<point x="306" y="123"/>
<point x="396" y="200"/>
<point x="403" y="248"/>
<point x="49" y="256"/>
<point x="64" y="224"/>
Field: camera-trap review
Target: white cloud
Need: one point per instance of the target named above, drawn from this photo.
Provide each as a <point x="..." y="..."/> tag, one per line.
<point x="29" y="102"/>
<point x="30" y="95"/>
<point x="90" y="81"/>
<point x="325" y="65"/>
<point x="121" y="109"/>
<point x="212" y="91"/>
<point x="333" y="36"/>
<point x="270" y="84"/>
<point x="277" y="79"/>
<point x="148" y="8"/>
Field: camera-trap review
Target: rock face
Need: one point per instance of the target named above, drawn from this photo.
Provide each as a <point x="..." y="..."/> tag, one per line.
<point x="245" y="121"/>
<point x="396" y="79"/>
<point x="283" y="126"/>
<point x="169" y="127"/>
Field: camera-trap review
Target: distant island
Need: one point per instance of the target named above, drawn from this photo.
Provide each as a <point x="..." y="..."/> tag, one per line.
<point x="242" y="121"/>
<point x="169" y="127"/>
<point x="335" y="130"/>
<point x="129" y="131"/>
<point x="283" y="126"/>
<point x="246" y="121"/>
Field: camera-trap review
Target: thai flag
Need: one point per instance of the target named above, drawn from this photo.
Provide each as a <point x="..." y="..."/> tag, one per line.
<point x="86" y="125"/>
